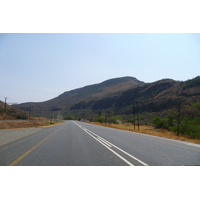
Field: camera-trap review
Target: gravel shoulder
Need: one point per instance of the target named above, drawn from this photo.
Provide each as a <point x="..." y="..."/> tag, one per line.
<point x="10" y="135"/>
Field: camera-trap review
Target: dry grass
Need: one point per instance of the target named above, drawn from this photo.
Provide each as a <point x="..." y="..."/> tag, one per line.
<point x="7" y="117"/>
<point x="26" y="124"/>
<point x="150" y="131"/>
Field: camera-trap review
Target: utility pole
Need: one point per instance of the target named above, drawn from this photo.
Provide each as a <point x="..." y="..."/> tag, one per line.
<point x="29" y="116"/>
<point x="32" y="112"/>
<point x="51" y="116"/>
<point x="20" y="112"/>
<point x="137" y="115"/>
<point x="4" y="115"/>
<point x="134" y="114"/>
<point x="40" y="112"/>
<point x="179" y="110"/>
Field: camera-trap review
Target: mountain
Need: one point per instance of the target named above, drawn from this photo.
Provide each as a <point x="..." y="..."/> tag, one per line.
<point x="63" y="103"/>
<point x="116" y="96"/>
<point x="161" y="95"/>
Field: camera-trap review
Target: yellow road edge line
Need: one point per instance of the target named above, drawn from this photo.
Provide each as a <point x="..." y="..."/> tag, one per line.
<point x="29" y="151"/>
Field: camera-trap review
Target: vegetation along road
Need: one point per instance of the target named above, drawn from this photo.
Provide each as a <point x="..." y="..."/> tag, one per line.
<point x="74" y="143"/>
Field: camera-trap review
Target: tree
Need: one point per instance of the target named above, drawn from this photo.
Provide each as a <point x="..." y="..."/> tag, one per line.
<point x="159" y="122"/>
<point x="99" y="119"/>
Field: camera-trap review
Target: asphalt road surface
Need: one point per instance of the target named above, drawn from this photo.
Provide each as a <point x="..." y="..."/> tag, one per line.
<point x="74" y="143"/>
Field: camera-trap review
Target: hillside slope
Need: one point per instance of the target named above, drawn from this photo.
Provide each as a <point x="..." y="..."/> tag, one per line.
<point x="94" y="92"/>
<point x="151" y="97"/>
<point x="161" y="95"/>
<point x="10" y="112"/>
<point x="116" y="96"/>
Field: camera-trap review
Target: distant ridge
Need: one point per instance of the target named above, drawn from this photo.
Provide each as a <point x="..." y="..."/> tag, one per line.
<point x="93" y="92"/>
<point x="116" y="96"/>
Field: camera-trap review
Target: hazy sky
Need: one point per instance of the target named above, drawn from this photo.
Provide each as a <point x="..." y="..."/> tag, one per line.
<point x="38" y="67"/>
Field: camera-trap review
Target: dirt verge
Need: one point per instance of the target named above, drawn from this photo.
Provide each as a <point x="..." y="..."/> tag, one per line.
<point x="150" y="131"/>
<point x="14" y="124"/>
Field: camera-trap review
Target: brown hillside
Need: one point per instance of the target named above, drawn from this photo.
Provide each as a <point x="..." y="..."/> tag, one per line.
<point x="116" y="96"/>
<point x="94" y="92"/>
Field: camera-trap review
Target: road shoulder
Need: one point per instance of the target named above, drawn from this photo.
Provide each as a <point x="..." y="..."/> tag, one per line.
<point x="10" y="135"/>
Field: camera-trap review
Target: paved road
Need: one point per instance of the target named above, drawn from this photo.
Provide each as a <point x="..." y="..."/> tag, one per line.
<point x="75" y="143"/>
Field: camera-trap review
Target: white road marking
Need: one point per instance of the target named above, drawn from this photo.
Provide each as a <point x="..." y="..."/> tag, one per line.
<point x="104" y="142"/>
<point x="122" y="150"/>
<point x="108" y="145"/>
<point x="126" y="161"/>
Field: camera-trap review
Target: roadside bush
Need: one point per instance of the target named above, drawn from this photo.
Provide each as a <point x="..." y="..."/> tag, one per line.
<point x="69" y="117"/>
<point x="22" y="116"/>
<point x="159" y="122"/>
<point x="99" y="119"/>
<point x="131" y="120"/>
<point x="190" y="127"/>
<point x="113" y="120"/>
<point x="173" y="128"/>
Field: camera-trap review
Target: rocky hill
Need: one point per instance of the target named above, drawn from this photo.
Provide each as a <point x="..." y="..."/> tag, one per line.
<point x="161" y="95"/>
<point x="63" y="103"/>
<point x="116" y="96"/>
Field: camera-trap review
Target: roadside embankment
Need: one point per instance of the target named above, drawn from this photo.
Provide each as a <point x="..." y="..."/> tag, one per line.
<point x="14" y="124"/>
<point x="150" y="131"/>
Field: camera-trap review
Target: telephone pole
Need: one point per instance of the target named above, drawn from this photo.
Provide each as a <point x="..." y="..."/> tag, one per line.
<point x="4" y="115"/>
<point x="137" y="115"/>
<point x="179" y="109"/>
<point x="32" y="112"/>
<point x="134" y="114"/>
<point x="29" y="116"/>
<point x="40" y="113"/>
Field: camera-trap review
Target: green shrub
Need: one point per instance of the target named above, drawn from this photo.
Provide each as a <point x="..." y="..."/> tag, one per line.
<point x="131" y="120"/>
<point x="113" y="120"/>
<point x="159" y="122"/>
<point x="99" y="119"/>
<point x="190" y="127"/>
